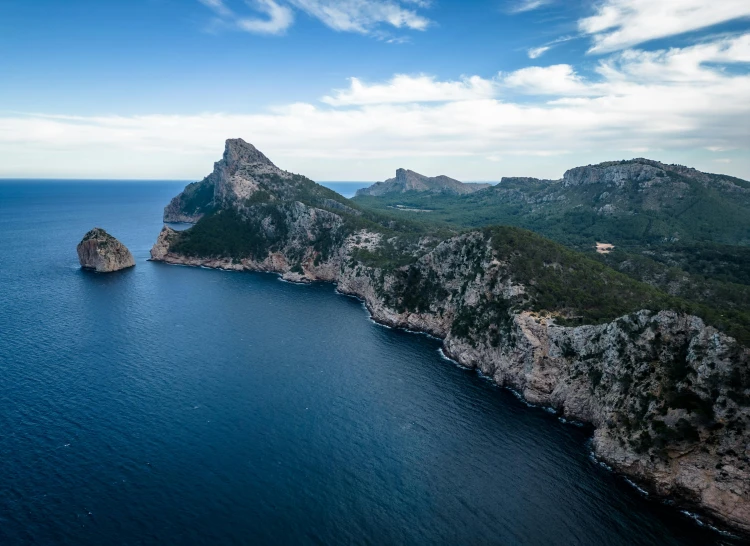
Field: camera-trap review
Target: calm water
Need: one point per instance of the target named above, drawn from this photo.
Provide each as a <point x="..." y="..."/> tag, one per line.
<point x="347" y="189"/>
<point x="171" y="405"/>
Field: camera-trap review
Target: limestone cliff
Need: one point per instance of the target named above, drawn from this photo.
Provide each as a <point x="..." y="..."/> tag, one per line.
<point x="99" y="251"/>
<point x="233" y="180"/>
<point x="669" y="396"/>
<point x="407" y="180"/>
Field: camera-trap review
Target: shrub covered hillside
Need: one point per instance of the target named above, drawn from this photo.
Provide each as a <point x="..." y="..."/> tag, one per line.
<point x="682" y="231"/>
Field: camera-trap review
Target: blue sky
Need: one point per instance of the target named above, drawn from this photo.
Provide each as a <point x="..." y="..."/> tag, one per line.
<point x="353" y="89"/>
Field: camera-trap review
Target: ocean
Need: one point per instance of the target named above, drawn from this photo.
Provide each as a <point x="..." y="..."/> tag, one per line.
<point x="175" y="405"/>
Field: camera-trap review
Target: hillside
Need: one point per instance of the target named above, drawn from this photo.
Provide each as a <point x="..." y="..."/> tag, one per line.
<point x="409" y="181"/>
<point x="625" y="203"/>
<point x="681" y="230"/>
<point x="668" y="395"/>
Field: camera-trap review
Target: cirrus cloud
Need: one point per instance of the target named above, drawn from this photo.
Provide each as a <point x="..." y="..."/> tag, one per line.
<point x="360" y="16"/>
<point x="618" y="24"/>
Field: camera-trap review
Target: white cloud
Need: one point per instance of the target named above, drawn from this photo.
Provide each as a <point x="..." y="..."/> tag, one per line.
<point x="279" y="19"/>
<point x="403" y="88"/>
<point x="361" y="16"/>
<point x="677" y="99"/>
<point x="559" y="79"/>
<point x="536" y="52"/>
<point x="528" y="5"/>
<point x="218" y="6"/>
<point x="618" y="24"/>
<point x="623" y="72"/>
<point x="695" y="64"/>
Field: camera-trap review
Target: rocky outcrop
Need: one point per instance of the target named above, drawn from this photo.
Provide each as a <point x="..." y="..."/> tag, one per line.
<point x="99" y="251"/>
<point x="669" y="396"/>
<point x="614" y="174"/>
<point x="407" y="180"/>
<point x="235" y="178"/>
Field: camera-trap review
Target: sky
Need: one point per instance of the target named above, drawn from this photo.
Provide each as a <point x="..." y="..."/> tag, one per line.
<point x="344" y="90"/>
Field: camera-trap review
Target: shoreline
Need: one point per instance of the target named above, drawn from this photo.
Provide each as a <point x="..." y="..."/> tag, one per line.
<point x="686" y="508"/>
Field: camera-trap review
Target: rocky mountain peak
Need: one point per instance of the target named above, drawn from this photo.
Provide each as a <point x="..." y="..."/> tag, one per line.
<point x="237" y="153"/>
<point x="240" y="173"/>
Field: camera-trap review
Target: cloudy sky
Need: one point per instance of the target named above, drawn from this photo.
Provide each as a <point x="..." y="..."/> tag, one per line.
<point x="353" y="89"/>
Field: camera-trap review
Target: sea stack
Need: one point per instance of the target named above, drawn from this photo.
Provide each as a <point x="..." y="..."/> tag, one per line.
<point x="101" y="252"/>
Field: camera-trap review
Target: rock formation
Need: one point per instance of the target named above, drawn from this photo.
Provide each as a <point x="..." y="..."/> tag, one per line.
<point x="99" y="251"/>
<point x="668" y="395"/>
<point x="407" y="180"/>
<point x="234" y="179"/>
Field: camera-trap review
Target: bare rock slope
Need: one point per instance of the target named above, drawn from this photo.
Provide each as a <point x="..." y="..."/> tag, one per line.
<point x="99" y="251"/>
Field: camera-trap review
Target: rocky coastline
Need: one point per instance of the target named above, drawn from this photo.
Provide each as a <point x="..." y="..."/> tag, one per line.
<point x="714" y="483"/>
<point x="667" y="395"/>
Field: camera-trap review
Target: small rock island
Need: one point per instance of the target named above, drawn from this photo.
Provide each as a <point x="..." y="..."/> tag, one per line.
<point x="101" y="252"/>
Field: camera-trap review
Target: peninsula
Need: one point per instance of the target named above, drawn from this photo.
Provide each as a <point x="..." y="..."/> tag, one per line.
<point x="667" y="392"/>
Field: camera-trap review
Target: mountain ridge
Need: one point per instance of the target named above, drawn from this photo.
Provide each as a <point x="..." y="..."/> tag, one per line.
<point x="407" y="180"/>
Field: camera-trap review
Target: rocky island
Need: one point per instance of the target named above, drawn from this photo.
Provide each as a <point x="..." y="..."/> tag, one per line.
<point x="101" y="252"/>
<point x="668" y="394"/>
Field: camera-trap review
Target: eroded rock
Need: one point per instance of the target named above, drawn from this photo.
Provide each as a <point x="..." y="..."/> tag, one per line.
<point x="101" y="252"/>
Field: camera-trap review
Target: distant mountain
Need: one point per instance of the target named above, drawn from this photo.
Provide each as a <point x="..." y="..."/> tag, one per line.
<point x="681" y="230"/>
<point x="406" y="181"/>
<point x="633" y="202"/>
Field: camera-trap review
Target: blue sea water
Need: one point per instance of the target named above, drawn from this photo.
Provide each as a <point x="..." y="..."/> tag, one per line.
<point x="174" y="405"/>
<point x="347" y="189"/>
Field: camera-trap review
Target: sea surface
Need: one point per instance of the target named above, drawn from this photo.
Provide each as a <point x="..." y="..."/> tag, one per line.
<point x="175" y="405"/>
<point x="347" y="189"/>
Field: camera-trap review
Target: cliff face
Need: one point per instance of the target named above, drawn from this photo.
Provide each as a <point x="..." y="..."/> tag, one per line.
<point x="234" y="179"/>
<point x="407" y="180"/>
<point x="669" y="397"/>
<point x="99" y="251"/>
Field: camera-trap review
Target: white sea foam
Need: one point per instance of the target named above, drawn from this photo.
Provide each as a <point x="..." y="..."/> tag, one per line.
<point x="593" y="458"/>
<point x="636" y="487"/>
<point x="571" y="422"/>
<point x="379" y="323"/>
<point x="521" y="397"/>
<point x="444" y="356"/>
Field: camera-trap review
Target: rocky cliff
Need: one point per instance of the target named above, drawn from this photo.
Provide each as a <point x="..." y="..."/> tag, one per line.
<point x="99" y="251"/>
<point x="234" y="179"/>
<point x="407" y="180"/>
<point x="669" y="396"/>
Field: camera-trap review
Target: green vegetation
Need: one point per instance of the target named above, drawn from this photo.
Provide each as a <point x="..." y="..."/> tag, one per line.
<point x="688" y="236"/>
<point x="419" y="292"/>
<point x="197" y="197"/>
<point x="683" y="207"/>
<point x="561" y="280"/>
<point x="228" y="234"/>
